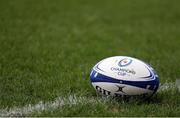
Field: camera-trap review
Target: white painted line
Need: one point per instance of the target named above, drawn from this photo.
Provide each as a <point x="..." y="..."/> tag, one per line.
<point x="46" y="106"/>
<point x="168" y="86"/>
<point x="62" y="101"/>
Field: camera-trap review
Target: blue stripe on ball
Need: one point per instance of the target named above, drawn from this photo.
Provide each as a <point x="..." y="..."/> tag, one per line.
<point x="153" y="84"/>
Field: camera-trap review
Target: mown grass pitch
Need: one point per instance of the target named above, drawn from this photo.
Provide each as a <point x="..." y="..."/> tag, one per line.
<point x="47" y="49"/>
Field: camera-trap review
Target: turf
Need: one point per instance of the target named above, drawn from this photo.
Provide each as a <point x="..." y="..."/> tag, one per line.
<point x="49" y="47"/>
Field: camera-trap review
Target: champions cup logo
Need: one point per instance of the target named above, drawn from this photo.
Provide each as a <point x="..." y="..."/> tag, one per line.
<point x="125" y="62"/>
<point x="124" y="71"/>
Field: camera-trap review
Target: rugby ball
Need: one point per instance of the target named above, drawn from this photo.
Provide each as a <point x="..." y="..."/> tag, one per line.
<point x="122" y="75"/>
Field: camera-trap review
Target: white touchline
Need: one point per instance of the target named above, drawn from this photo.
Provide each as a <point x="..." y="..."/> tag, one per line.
<point x="46" y="106"/>
<point x="167" y="86"/>
<point x="61" y="101"/>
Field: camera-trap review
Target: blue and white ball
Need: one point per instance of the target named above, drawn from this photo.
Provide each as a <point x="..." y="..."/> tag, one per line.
<point x="121" y="75"/>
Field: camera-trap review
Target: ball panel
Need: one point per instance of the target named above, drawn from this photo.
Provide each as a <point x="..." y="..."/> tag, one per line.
<point x="134" y="70"/>
<point x="119" y="89"/>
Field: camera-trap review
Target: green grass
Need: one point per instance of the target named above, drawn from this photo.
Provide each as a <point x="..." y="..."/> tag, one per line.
<point x="47" y="49"/>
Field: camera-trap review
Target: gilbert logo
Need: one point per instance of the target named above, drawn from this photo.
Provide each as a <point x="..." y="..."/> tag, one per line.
<point x="125" y="62"/>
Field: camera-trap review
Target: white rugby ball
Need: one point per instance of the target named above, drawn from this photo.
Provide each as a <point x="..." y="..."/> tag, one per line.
<point x="122" y="75"/>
